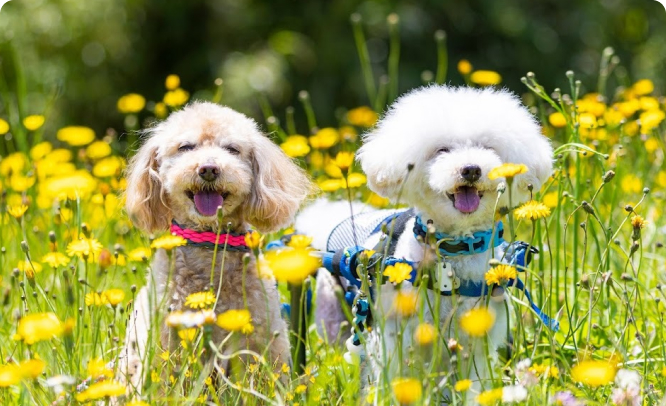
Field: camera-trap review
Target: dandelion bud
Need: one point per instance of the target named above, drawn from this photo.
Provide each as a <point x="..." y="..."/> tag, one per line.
<point x="52" y="237"/>
<point x="303" y="95"/>
<point x="634" y="247"/>
<point x="440" y="35"/>
<point x="659" y="244"/>
<point x="410" y="166"/>
<point x="523" y="80"/>
<point x="85" y="230"/>
<point x="530" y="75"/>
<point x="626" y="277"/>
<point x="24" y="247"/>
<point x="355" y="19"/>
<point x="133" y="288"/>
<point x="493" y="262"/>
<point x="246" y="259"/>
<point x="587" y="207"/>
<point x="394" y="19"/>
<point x="582" y="225"/>
<point x="570" y="74"/>
<point x="608" y="176"/>
<point x="629" y="208"/>
<point x="646" y="190"/>
<point x="220" y="214"/>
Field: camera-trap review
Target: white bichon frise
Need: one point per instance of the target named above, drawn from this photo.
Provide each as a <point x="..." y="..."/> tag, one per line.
<point x="433" y="151"/>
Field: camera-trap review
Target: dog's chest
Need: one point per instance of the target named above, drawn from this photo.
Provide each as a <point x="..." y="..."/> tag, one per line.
<point x="194" y="272"/>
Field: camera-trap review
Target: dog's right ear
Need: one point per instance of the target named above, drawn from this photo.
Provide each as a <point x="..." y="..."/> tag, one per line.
<point x="144" y="197"/>
<point x="381" y="162"/>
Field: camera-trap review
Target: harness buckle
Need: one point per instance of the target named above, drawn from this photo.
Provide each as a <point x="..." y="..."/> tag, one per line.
<point x="447" y="281"/>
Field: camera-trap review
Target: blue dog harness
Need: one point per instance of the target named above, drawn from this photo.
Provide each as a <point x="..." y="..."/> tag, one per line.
<point x="343" y="262"/>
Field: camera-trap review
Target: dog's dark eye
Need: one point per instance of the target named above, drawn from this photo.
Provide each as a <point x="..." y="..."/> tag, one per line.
<point x="443" y="150"/>
<point x="232" y="149"/>
<point x="186" y="147"/>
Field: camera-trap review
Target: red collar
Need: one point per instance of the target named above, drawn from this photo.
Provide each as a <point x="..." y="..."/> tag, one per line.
<point x="230" y="242"/>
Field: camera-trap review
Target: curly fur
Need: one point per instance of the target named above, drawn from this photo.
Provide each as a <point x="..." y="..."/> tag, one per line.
<point x="439" y="130"/>
<point x="262" y="188"/>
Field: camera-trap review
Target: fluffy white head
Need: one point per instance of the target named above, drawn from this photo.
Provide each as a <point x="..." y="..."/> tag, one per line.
<point x="453" y="137"/>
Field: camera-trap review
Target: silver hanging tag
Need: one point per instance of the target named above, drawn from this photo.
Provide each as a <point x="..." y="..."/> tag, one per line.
<point x="446" y="279"/>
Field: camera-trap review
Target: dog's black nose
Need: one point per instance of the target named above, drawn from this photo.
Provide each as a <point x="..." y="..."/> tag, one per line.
<point x="209" y="172"/>
<point x="471" y="173"/>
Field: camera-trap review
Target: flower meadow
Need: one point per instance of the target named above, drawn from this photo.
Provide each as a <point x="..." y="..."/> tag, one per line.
<point x="71" y="262"/>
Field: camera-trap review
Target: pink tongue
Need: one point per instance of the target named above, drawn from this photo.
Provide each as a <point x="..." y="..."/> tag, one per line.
<point x="467" y="199"/>
<point x="207" y="202"/>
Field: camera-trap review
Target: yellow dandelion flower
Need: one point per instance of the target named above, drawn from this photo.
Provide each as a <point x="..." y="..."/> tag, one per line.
<point x="33" y="122"/>
<point x="160" y="110"/>
<point x="292" y="265"/>
<point x="331" y="185"/>
<point x="13" y="163"/>
<point x="176" y="97"/>
<point x="39" y="151"/>
<point x="108" y="167"/>
<point x="464" y="67"/>
<point x="200" y="300"/>
<point x="114" y="296"/>
<point x="377" y="201"/>
<point x="99" y="390"/>
<point x="489" y="397"/>
<point x="299" y="241"/>
<point x="638" y="222"/>
<point x="188" y="334"/>
<point x="643" y="87"/>
<point x="76" y="136"/>
<point x="236" y="320"/>
<point x="593" y="373"/>
<point x="140" y="254"/>
<point x="31" y="369"/>
<point x="131" y="103"/>
<point x="532" y="210"/>
<point x="333" y="170"/>
<point x="500" y="274"/>
<point x="425" y="334"/>
<point x="253" y="239"/>
<point x="324" y="138"/>
<point x="95" y="299"/>
<point x="398" y="273"/>
<point x="485" y="78"/>
<point x="84" y="247"/>
<point x="29" y="267"/>
<point x="37" y="327"/>
<point x="285" y="368"/>
<point x="405" y="303"/>
<point x="20" y="183"/>
<point x="168" y="242"/>
<point x="551" y="199"/>
<point x="355" y="180"/>
<point x="546" y="371"/>
<point x="10" y="375"/>
<point x="301" y="389"/>
<point x="507" y="170"/>
<point x="344" y="160"/>
<point x="463" y="385"/>
<point x="17" y="211"/>
<point x="651" y="120"/>
<point x="477" y="322"/>
<point x="407" y="390"/>
<point x="295" y="146"/>
<point x="631" y="184"/>
<point x="98" y="150"/>
<point x="4" y="127"/>
<point x="651" y="145"/>
<point x="362" y="116"/>
<point x="172" y="82"/>
<point x="557" y="120"/>
<point x="97" y="368"/>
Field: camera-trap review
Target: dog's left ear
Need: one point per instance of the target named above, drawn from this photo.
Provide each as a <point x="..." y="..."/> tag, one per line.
<point x="533" y="150"/>
<point x="279" y="187"/>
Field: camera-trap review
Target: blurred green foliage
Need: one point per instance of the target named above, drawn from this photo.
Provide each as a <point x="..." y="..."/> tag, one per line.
<point x="85" y="55"/>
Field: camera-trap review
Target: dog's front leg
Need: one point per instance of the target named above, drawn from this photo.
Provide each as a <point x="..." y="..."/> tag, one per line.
<point x="136" y="340"/>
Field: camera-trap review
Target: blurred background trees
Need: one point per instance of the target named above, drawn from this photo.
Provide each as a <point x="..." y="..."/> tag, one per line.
<point x="73" y="59"/>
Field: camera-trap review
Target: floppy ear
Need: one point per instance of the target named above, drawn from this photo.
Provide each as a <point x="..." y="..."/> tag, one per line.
<point x="278" y="189"/>
<point x="144" y="197"/>
<point x="385" y="172"/>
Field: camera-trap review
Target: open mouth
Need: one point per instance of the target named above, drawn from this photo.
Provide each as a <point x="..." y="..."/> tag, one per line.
<point x="466" y="198"/>
<point x="206" y="202"/>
